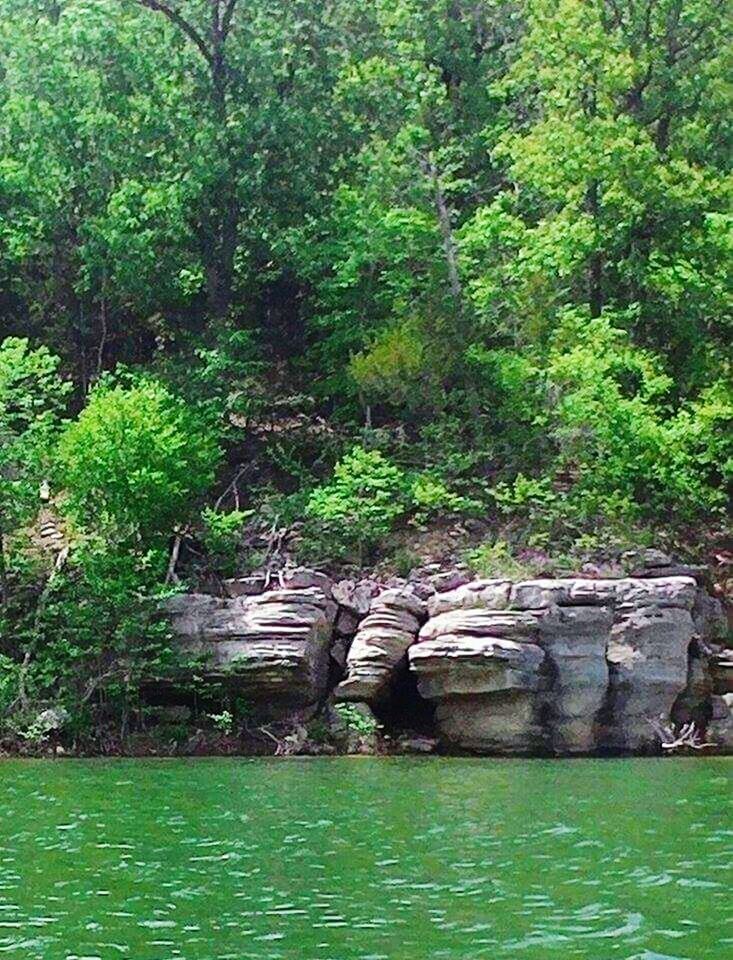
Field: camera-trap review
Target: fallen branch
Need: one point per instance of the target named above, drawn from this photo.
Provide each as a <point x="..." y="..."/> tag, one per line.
<point x="686" y="736"/>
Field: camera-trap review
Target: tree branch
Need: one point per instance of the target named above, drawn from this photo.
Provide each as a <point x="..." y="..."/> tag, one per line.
<point x="226" y="20"/>
<point x="175" y="17"/>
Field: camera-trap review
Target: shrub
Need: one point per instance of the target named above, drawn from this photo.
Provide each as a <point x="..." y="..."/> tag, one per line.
<point x="355" y="721"/>
<point x="359" y="507"/>
<point x="136" y="460"/>
<point x="96" y="631"/>
<point x="430" y="497"/>
<point x="392" y="366"/>
<point x="497" y="560"/>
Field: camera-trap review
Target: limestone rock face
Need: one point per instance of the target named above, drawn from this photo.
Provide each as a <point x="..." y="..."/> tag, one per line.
<point x="273" y="647"/>
<point x="647" y="658"/>
<point x="722" y="671"/>
<point x="577" y="665"/>
<point x="575" y="640"/>
<point x="486" y="691"/>
<point x="380" y="644"/>
<point x="484" y="668"/>
<point x="492" y="594"/>
<point x="720" y="728"/>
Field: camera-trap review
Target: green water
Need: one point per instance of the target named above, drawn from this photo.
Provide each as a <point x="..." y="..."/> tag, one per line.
<point x="365" y="858"/>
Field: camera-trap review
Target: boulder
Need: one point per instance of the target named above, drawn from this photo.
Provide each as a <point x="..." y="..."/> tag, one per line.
<point x="355" y="597"/>
<point x="459" y="666"/>
<point x="244" y="586"/>
<point x="305" y="578"/>
<point x="272" y="647"/>
<point x="484" y="672"/>
<point x="491" y="594"/>
<point x="680" y="592"/>
<point x="378" y="649"/>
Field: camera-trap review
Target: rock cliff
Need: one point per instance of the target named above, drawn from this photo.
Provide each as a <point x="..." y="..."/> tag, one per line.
<point x="537" y="667"/>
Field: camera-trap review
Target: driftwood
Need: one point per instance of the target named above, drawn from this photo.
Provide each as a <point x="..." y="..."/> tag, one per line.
<point x="687" y="736"/>
<point x="289" y="744"/>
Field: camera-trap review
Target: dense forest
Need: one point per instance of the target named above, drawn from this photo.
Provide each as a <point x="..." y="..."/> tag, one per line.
<point x="346" y="283"/>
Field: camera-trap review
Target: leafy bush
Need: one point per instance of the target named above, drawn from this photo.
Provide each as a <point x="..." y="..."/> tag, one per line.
<point x="359" y="507"/>
<point x="99" y="629"/>
<point x="391" y="367"/>
<point x="355" y="721"/>
<point x="495" y="560"/>
<point x="136" y="460"/>
<point x="430" y="497"/>
<point x="626" y="451"/>
<point x="223" y="722"/>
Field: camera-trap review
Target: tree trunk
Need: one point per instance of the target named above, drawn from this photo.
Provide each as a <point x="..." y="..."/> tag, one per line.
<point x="446" y="232"/>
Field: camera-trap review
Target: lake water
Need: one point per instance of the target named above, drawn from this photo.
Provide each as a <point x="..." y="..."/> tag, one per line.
<point x="339" y="858"/>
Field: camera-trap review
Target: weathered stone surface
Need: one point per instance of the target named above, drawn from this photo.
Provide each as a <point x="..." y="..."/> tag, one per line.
<point x="484" y="672"/>
<point x="721" y="669"/>
<point x="481" y="622"/>
<point x="709" y="617"/>
<point x="536" y="594"/>
<point x="305" y="578"/>
<point x="347" y="623"/>
<point x="449" y="580"/>
<point x="647" y="658"/>
<point x="356" y="597"/>
<point x="720" y="728"/>
<point x="273" y="647"/>
<point x="492" y="594"/>
<point x="659" y="591"/>
<point x="379" y="647"/>
<point x="244" y="586"/>
<point x="565" y="666"/>
<point x="611" y="656"/>
<point x="454" y="665"/>
<point x="502" y="723"/>
<point x="575" y="640"/>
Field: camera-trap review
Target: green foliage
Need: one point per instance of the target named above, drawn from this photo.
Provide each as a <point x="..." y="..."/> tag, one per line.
<point x="355" y="721"/>
<point x="221" y="535"/>
<point x="96" y="632"/>
<point x="9" y="671"/>
<point x="136" y="460"/>
<point x="392" y="366"/>
<point x="498" y="234"/>
<point x="431" y="498"/>
<point x="360" y="505"/>
<point x="224" y="721"/>
<point x="497" y="560"/>
<point x="33" y="396"/>
<point x="628" y="453"/>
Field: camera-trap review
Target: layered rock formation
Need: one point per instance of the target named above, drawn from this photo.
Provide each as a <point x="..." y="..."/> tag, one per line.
<point x="274" y="646"/>
<point x="380" y="645"/>
<point x="558" y="667"/>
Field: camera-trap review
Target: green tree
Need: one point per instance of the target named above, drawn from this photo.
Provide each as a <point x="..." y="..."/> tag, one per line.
<point x="135" y="461"/>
